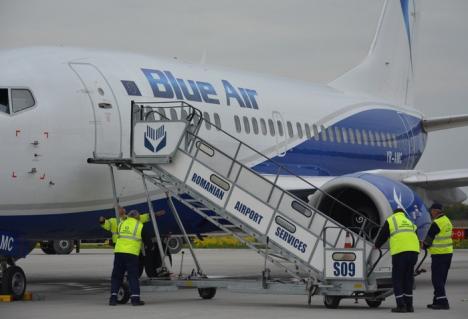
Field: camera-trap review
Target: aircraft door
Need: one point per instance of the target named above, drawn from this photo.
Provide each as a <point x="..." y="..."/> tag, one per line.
<point x="107" y="121"/>
<point x="281" y="144"/>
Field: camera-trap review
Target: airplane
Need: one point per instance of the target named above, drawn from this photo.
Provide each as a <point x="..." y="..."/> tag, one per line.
<point x="358" y="138"/>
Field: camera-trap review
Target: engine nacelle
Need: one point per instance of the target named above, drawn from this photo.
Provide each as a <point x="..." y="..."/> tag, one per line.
<point x="374" y="196"/>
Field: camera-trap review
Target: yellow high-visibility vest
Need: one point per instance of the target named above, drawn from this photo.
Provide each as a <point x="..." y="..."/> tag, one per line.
<point x="129" y="241"/>
<point x="402" y="234"/>
<point x="442" y="243"/>
<point x="112" y="225"/>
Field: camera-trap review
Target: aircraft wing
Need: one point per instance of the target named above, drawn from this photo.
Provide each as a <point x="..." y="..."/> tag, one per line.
<point x="439" y="179"/>
<point x="445" y="122"/>
<point x="441" y="186"/>
<point x="428" y="180"/>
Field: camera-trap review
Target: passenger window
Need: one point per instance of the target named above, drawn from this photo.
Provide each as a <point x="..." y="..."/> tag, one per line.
<point x="371" y="138"/>
<point x="338" y="134"/>
<point x="331" y="136"/>
<point x="351" y="135"/>
<point x="263" y="126"/>
<point x="299" y="130"/>
<point x="217" y="121"/>
<point x="246" y="124"/>
<point x="358" y="136"/>
<point x="206" y="117"/>
<point x="316" y="133"/>
<point x="272" y="127"/>
<point x="345" y="135"/>
<point x="4" y="101"/>
<point x="395" y="142"/>
<point x="21" y="99"/>
<point x="307" y="129"/>
<point x="323" y="134"/>
<point x="364" y="137"/>
<point x="377" y="139"/>
<point x="384" y="141"/>
<point x="280" y="128"/>
<point x="237" y="124"/>
<point x="290" y="129"/>
<point x="174" y="115"/>
<point x="255" y="125"/>
<point x="389" y="140"/>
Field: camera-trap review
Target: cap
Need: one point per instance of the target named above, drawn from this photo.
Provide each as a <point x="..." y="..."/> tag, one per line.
<point x="399" y="210"/>
<point x="133" y="213"/>
<point x="436" y="206"/>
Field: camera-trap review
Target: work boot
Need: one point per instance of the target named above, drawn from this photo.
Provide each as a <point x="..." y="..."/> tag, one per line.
<point x="113" y="300"/>
<point x="439" y="307"/>
<point x="399" y="309"/>
<point x="137" y="302"/>
<point x="409" y="308"/>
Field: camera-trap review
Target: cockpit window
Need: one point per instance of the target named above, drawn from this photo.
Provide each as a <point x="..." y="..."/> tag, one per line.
<point x="4" y="101"/>
<point x="21" y="99"/>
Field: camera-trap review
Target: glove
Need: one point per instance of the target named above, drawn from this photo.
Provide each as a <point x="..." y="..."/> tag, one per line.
<point x="159" y="213"/>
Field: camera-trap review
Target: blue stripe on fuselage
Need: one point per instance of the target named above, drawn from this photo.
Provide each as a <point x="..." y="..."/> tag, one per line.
<point x="85" y="225"/>
<point x="325" y="158"/>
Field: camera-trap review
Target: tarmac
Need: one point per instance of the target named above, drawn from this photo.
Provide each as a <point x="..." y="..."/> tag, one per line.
<point x="77" y="286"/>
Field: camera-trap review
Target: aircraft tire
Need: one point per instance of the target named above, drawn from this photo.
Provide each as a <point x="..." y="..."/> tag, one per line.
<point x="46" y="247"/>
<point x="141" y="265"/>
<point x="14" y="282"/>
<point x="152" y="261"/>
<point x="174" y="244"/>
<point x="62" y="246"/>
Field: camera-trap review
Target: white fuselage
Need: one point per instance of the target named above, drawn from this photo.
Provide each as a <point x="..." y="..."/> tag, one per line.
<point x="44" y="148"/>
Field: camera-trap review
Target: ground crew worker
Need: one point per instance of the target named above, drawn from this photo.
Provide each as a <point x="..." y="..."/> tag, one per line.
<point x="404" y="248"/>
<point x="111" y="224"/>
<point x="126" y="252"/>
<point x="439" y="243"/>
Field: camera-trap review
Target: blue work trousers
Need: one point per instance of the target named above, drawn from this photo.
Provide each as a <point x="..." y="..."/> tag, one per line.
<point x="439" y="271"/>
<point x="126" y="263"/>
<point x="403" y="277"/>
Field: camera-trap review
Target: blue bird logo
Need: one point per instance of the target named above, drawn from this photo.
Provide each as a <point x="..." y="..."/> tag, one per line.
<point x="155" y="139"/>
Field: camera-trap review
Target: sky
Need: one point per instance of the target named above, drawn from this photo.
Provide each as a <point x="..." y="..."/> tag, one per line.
<point x="310" y="40"/>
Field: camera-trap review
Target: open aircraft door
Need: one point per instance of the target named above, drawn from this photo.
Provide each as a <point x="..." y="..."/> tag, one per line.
<point x="107" y="121"/>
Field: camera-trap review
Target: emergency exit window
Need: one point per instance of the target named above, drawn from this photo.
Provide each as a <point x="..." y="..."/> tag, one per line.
<point x="4" y="101"/>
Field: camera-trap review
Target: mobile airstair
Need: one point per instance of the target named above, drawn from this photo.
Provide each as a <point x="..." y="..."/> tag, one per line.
<point x="207" y="169"/>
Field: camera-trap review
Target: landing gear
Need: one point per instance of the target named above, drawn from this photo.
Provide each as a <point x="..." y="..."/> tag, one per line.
<point x="13" y="282"/>
<point x="59" y="247"/>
